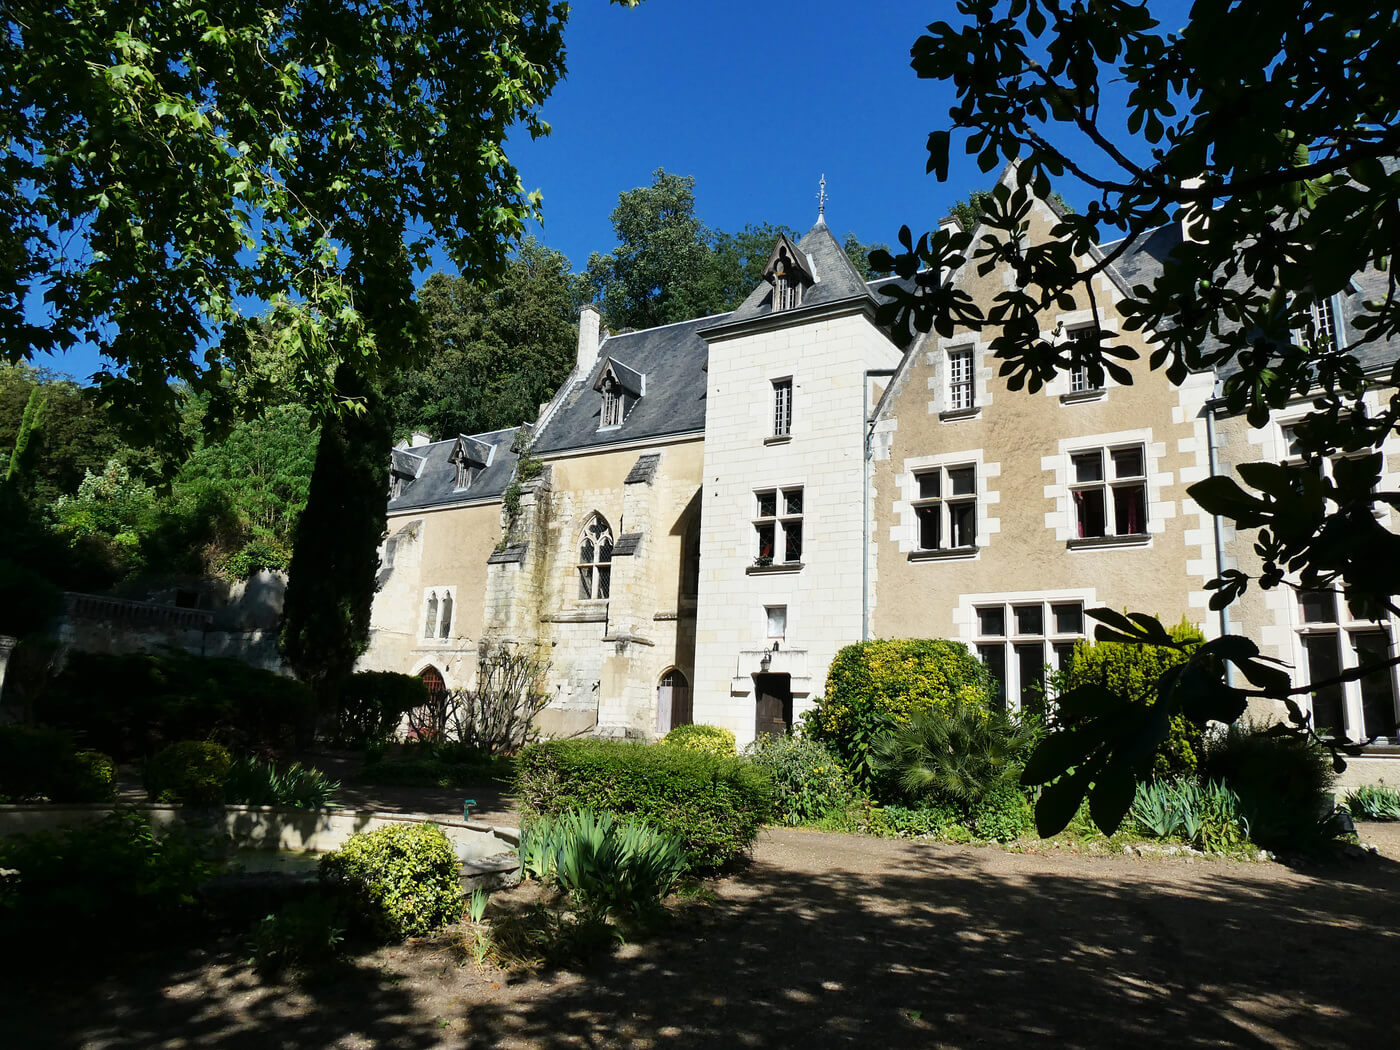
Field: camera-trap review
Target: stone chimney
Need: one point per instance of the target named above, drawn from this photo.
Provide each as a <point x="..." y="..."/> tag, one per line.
<point x="950" y="223"/>
<point x="419" y="438"/>
<point x="589" y="322"/>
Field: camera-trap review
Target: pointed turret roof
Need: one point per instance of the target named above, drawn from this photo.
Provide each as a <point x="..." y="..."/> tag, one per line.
<point x="835" y="278"/>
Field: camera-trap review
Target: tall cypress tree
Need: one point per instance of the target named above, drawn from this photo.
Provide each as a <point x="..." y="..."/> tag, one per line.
<point x="325" y="620"/>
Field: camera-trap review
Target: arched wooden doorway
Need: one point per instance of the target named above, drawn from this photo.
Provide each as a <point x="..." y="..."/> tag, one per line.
<point x="429" y="721"/>
<point x="672" y="702"/>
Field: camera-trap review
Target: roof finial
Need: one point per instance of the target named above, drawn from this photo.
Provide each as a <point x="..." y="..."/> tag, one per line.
<point x="821" y="202"/>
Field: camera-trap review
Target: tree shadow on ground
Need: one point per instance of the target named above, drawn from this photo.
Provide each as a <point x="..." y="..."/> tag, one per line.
<point x="934" y="950"/>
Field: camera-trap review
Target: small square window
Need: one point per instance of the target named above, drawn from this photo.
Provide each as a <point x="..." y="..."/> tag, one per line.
<point x="1069" y="618"/>
<point x="767" y="504"/>
<point x="991" y="621"/>
<point x="777" y="620"/>
<point x="1030" y="619"/>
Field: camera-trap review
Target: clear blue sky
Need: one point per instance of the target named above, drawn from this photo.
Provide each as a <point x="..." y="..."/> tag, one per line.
<point x="757" y="100"/>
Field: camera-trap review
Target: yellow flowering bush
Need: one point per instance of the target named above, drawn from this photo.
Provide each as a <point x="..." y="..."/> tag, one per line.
<point x="875" y="687"/>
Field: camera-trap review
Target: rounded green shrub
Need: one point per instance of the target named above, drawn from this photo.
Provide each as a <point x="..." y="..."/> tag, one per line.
<point x="716" y="806"/>
<point x="710" y="739"/>
<point x="399" y="881"/>
<point x="874" y="687"/>
<point x="808" y="779"/>
<point x="1133" y="670"/>
<point x="94" y="778"/>
<point x="190" y="771"/>
<point x="1002" y="813"/>
<point x="42" y="763"/>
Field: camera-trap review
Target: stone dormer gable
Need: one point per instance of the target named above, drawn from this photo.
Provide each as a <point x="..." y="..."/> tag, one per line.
<point x="469" y="457"/>
<point x="404" y="468"/>
<point x="621" y="386"/>
<point x="789" y="272"/>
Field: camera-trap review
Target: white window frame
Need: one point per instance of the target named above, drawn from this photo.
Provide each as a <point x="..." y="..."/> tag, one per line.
<point x="438" y="610"/>
<point x="941" y="505"/>
<point x="611" y="413"/>
<point x="1320" y="329"/>
<point x="1011" y="642"/>
<point x="782" y="407"/>
<point x="1079" y="381"/>
<point x="962" y="378"/>
<point x="770" y="613"/>
<point x="1345" y="628"/>
<point x="779" y="525"/>
<point x="1107" y="485"/>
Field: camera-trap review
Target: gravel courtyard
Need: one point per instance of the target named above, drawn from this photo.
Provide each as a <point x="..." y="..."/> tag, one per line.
<point x="833" y="940"/>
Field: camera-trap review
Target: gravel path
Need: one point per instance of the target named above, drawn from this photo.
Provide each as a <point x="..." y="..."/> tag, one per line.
<point x="836" y="941"/>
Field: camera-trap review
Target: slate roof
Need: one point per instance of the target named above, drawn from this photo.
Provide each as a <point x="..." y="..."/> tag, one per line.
<point x="1143" y="263"/>
<point x="435" y="485"/>
<point x="644" y="470"/>
<point x="672" y="358"/>
<point x="837" y="278"/>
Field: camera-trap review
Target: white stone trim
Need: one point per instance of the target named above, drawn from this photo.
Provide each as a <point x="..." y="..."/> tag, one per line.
<point x="1061" y="519"/>
<point x="905" y="530"/>
<point x="982" y="369"/>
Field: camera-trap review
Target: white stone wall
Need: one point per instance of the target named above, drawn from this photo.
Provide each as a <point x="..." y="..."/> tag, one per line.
<point x="827" y="359"/>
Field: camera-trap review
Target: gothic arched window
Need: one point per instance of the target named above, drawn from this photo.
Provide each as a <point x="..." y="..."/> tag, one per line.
<point x="595" y="552"/>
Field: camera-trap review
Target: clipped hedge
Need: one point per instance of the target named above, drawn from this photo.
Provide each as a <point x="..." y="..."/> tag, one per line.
<point x="190" y="771"/>
<point x="43" y="763"/>
<point x="710" y="739"/>
<point x="400" y="881"/>
<point x="715" y="805"/>
<point x="875" y="687"/>
<point x="1133" y="670"/>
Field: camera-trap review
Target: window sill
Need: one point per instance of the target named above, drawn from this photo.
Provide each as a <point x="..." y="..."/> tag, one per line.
<point x="1081" y="396"/>
<point x="954" y="414"/>
<point x="945" y="554"/>
<point x="1099" y="542"/>
<point x="777" y="439"/>
<point x="768" y="570"/>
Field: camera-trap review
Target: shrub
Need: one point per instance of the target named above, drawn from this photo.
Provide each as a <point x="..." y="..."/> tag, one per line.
<point x="1373" y="803"/>
<point x="255" y="782"/>
<point x="710" y="739"/>
<point x="1001" y="813"/>
<point x="370" y="705"/>
<point x="100" y="882"/>
<point x="190" y="771"/>
<point x="135" y="703"/>
<point x="957" y="752"/>
<point x="875" y="687"/>
<point x="1133" y="670"/>
<point x="716" y="806"/>
<point x="937" y="819"/>
<point x="1283" y="782"/>
<point x="399" y="881"/>
<point x="808" y="781"/>
<point x="304" y="934"/>
<point x="604" y="863"/>
<point x="42" y="763"/>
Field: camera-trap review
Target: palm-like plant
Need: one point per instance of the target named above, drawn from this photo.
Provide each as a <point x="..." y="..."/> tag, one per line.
<point x="958" y="751"/>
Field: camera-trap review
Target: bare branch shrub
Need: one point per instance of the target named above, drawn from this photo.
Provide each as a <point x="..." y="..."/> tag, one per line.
<point x="498" y="714"/>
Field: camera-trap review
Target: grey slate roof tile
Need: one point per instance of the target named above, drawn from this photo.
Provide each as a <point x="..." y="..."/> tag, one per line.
<point x="837" y="278"/>
<point x="436" y="482"/>
<point x="627" y="544"/>
<point x="511" y="554"/>
<point x="644" y="470"/>
<point x="673" y="359"/>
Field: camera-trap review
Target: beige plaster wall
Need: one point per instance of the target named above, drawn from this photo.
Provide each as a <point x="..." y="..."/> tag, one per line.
<point x="1020" y="443"/>
<point x="437" y="549"/>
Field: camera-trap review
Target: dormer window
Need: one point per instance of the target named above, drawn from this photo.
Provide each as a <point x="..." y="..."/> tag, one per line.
<point x="469" y="457"/>
<point x="404" y="467"/>
<point x="621" y="388"/>
<point x="790" y="274"/>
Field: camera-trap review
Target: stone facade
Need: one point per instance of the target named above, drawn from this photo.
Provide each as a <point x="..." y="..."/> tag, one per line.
<point x="778" y="482"/>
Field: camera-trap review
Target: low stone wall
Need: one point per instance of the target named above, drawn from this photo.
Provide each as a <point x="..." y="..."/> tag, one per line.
<point x="266" y="827"/>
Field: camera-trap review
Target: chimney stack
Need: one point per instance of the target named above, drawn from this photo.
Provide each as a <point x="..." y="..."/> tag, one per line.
<point x="1193" y="215"/>
<point x="950" y="223"/>
<point x="589" y="323"/>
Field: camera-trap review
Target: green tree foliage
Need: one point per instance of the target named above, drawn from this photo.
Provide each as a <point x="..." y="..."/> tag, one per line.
<point x="739" y="259"/>
<point x="859" y="254"/>
<point x="162" y="161"/>
<point x="497" y="349"/>
<point x="325" y="619"/>
<point x="1274" y="151"/>
<point x="1133" y="671"/>
<point x="875" y="687"/>
<point x="661" y="270"/>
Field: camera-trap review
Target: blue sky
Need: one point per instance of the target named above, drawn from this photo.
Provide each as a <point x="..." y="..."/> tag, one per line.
<point x="757" y="100"/>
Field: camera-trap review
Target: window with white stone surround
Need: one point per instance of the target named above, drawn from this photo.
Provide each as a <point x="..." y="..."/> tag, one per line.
<point x="1336" y="636"/>
<point x="1108" y="491"/>
<point x="962" y="381"/>
<point x="945" y="507"/>
<point x="437" y="613"/>
<point x="782" y="407"/>
<point x="1081" y="385"/>
<point x="777" y="526"/>
<point x="1018" y="639"/>
<point x="595" y="553"/>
